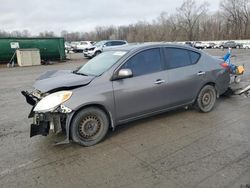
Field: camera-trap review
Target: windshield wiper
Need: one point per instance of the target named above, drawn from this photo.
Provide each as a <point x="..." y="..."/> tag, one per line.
<point x="79" y="73"/>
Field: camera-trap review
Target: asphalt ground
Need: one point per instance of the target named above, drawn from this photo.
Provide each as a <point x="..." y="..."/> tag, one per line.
<point x="182" y="148"/>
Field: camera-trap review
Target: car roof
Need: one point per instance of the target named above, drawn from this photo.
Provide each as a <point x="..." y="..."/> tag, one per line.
<point x="135" y="47"/>
<point x="112" y="40"/>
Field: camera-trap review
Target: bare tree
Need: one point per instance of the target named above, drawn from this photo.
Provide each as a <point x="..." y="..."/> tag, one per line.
<point x="25" y="33"/>
<point x="232" y="15"/>
<point x="4" y="34"/>
<point x="246" y="15"/>
<point x="16" y="33"/>
<point x="46" y="34"/>
<point x="189" y="15"/>
<point x="237" y="16"/>
<point x="191" y="22"/>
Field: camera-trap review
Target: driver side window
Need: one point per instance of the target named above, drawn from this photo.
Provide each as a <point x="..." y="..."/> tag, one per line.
<point x="145" y="62"/>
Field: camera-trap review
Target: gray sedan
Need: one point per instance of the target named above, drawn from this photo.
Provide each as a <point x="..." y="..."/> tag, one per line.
<point x="122" y="85"/>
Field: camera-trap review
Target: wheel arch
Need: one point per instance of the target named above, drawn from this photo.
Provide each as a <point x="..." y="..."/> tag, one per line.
<point x="197" y="104"/>
<point x="98" y="51"/>
<point x="101" y="107"/>
<point x="211" y="84"/>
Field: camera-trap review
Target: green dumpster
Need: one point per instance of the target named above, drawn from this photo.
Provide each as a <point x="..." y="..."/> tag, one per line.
<point x="50" y="48"/>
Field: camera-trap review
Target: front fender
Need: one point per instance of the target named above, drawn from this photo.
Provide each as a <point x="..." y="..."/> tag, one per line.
<point x="87" y="95"/>
<point x="96" y="94"/>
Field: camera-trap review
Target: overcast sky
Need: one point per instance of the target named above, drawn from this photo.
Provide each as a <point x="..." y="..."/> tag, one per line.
<point x="81" y="15"/>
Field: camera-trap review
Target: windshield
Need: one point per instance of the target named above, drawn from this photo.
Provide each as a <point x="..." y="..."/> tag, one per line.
<point x="74" y="43"/>
<point x="101" y="63"/>
<point x="100" y="43"/>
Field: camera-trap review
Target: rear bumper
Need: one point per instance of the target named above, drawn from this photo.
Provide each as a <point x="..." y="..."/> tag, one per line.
<point x="223" y="81"/>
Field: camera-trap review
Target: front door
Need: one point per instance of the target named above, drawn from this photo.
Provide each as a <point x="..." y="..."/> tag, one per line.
<point x="144" y="92"/>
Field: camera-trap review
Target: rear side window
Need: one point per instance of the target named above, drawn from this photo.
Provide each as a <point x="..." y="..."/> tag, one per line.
<point x="177" y="57"/>
<point x="145" y="62"/>
<point x="194" y="57"/>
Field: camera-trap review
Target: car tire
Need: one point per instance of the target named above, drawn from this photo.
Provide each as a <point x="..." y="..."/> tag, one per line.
<point x="206" y="99"/>
<point x="97" y="53"/>
<point x="89" y="126"/>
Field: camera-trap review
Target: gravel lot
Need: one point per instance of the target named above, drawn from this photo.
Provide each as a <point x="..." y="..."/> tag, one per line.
<point x="183" y="148"/>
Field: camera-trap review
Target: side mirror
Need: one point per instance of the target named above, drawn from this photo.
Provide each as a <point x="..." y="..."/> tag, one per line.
<point x="123" y="73"/>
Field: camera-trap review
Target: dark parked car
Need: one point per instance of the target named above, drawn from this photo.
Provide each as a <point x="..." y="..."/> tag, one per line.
<point x="121" y="85"/>
<point x="231" y="44"/>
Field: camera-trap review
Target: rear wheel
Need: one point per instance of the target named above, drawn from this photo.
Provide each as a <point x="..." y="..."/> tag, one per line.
<point x="89" y="126"/>
<point x="206" y="99"/>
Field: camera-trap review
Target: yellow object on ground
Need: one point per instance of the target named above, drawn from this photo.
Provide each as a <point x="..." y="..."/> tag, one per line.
<point x="240" y="69"/>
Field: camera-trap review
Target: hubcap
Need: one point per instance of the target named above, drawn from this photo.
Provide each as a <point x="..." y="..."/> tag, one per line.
<point x="89" y="126"/>
<point x="206" y="99"/>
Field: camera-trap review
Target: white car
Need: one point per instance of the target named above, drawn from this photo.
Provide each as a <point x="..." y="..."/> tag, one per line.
<point x="199" y="45"/>
<point x="209" y="45"/>
<point x="98" y="47"/>
<point x="74" y="44"/>
<point x="67" y="47"/>
<point x="218" y="45"/>
<point x="246" y="46"/>
<point x="82" y="45"/>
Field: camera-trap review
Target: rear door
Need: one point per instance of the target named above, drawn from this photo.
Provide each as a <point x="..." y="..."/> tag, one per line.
<point x="144" y="92"/>
<point x="184" y="75"/>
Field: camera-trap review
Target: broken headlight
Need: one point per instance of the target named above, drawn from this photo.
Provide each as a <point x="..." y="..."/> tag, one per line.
<point x="52" y="101"/>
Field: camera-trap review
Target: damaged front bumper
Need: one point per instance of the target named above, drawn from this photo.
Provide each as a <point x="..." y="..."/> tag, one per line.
<point x="43" y="123"/>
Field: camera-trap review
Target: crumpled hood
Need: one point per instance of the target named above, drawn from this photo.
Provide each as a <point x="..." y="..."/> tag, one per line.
<point x="58" y="80"/>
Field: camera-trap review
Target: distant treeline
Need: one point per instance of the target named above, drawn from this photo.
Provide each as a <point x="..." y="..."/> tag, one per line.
<point x="191" y="22"/>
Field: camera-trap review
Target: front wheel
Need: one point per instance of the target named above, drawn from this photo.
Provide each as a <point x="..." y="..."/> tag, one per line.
<point x="97" y="53"/>
<point x="89" y="126"/>
<point x="206" y="99"/>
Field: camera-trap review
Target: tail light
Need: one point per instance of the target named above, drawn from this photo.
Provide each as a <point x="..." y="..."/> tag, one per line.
<point x="224" y="65"/>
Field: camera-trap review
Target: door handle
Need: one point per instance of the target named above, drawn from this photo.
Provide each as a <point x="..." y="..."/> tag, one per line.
<point x="201" y="73"/>
<point x="159" y="81"/>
